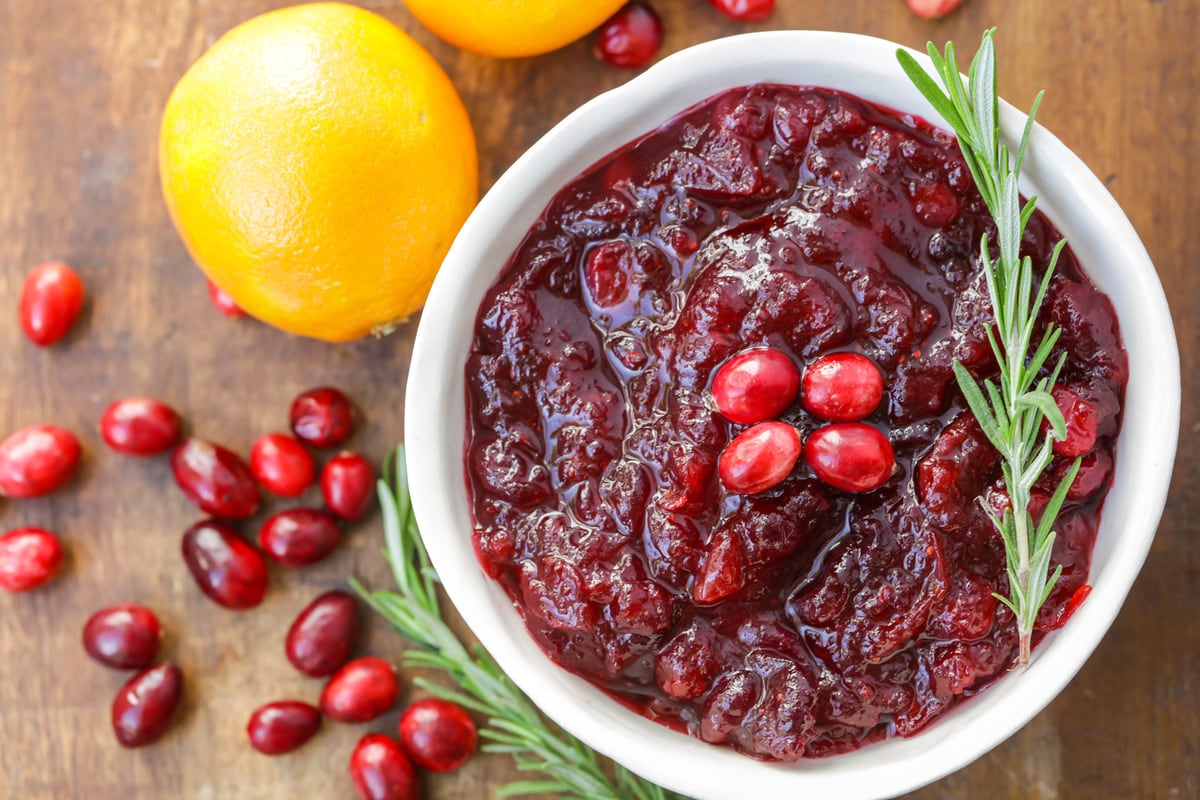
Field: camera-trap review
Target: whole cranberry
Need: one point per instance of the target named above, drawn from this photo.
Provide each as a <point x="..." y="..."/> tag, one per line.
<point x="759" y="457"/>
<point x="1082" y="420"/>
<point x="224" y="302"/>
<point x="745" y="10"/>
<point x="932" y="9"/>
<point x="320" y="639"/>
<point x="282" y="726"/>
<point x="850" y="456"/>
<point x="437" y="735"/>
<point x="51" y="300"/>
<point x="37" y="459"/>
<point x="842" y="387"/>
<point x="282" y="465"/>
<point x="140" y="426"/>
<point x="348" y="485"/>
<point x="755" y="385"/>
<point x="381" y="771"/>
<point x="123" y="636"/>
<point x="360" y="691"/>
<point x="299" y="536"/>
<point x="29" y="558"/>
<point x="143" y="709"/>
<point x="322" y="417"/>
<point x="215" y="479"/>
<point x="227" y="569"/>
<point x="630" y="37"/>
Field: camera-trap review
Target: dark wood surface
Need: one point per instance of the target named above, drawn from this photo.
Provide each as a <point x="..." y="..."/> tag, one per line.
<point x="82" y="86"/>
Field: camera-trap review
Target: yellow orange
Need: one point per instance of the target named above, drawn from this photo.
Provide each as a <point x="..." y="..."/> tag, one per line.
<point x="511" y="28"/>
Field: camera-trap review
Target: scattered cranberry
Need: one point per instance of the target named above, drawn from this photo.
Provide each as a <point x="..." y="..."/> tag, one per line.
<point x="360" y="691"/>
<point x="322" y="417"/>
<point x="932" y="9"/>
<point x="224" y="302"/>
<point x="348" y="485"/>
<point x="140" y="426"/>
<point x="283" y="726"/>
<point x="51" y="300"/>
<point x="759" y="457"/>
<point x="215" y="479"/>
<point x="755" y="385"/>
<point x="231" y="572"/>
<point x="320" y="639"/>
<point x="850" y="456"/>
<point x="381" y="771"/>
<point x="299" y="536"/>
<point x="630" y="37"/>
<point x="282" y="465"/>
<point x="142" y="710"/>
<point x="123" y="637"/>
<point x="29" y="558"/>
<point x="36" y="460"/>
<point x="843" y="387"/>
<point x="437" y="734"/>
<point x="745" y="10"/>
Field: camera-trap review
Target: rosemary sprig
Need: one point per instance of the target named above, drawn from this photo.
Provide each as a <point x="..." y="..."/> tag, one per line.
<point x="570" y="768"/>
<point x="1010" y="409"/>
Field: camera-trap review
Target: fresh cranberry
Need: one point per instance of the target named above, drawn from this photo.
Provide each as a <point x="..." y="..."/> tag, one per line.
<point x="348" y="485"/>
<point x="320" y="639"/>
<point x="29" y="558"/>
<point x="1083" y="422"/>
<point x="437" y="735"/>
<point x="755" y="385"/>
<point x="215" y="479"/>
<point x="51" y="300"/>
<point x="759" y="457"/>
<point x="143" y="709"/>
<point x="630" y="37"/>
<point x="140" y="426"/>
<point x="36" y="460"/>
<point x="282" y="465"/>
<point x="299" y="536"/>
<point x="745" y="10"/>
<point x="227" y="569"/>
<point x="850" y="456"/>
<point x="224" y="302"/>
<point x="322" y="417"/>
<point x="360" y="691"/>
<point x="842" y="387"/>
<point x="381" y="771"/>
<point x="282" y="726"/>
<point x="123" y="637"/>
<point x="932" y="9"/>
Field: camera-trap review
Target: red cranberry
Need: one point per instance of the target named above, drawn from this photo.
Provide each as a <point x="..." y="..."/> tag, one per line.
<point x="935" y="205"/>
<point x="29" y="558"/>
<point x="320" y="639"/>
<point x="227" y="569"/>
<point x="140" y="426"/>
<point x="360" y="691"/>
<point x="1083" y="422"/>
<point x="51" y="300"/>
<point x="282" y="465"/>
<point x="215" y="479"/>
<point x="299" y="536"/>
<point x="123" y="637"/>
<point x="850" y="456"/>
<point x="759" y="457"/>
<point x="630" y="37"/>
<point x="755" y="385"/>
<point x="722" y="570"/>
<point x="932" y="9"/>
<point x="282" y="726"/>
<point x="142" y="710"/>
<point x="224" y="302"/>
<point x="381" y="771"/>
<point x="37" y="459"/>
<point x="745" y="10"/>
<point x="842" y="387"/>
<point x="322" y="417"/>
<point x="348" y="485"/>
<point x="437" y="734"/>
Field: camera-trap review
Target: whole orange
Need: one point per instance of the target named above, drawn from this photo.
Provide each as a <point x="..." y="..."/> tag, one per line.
<point x="317" y="163"/>
<point x="511" y="28"/>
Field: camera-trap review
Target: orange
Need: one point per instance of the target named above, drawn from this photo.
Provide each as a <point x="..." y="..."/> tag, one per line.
<point x="510" y="28"/>
<point x="317" y="163"/>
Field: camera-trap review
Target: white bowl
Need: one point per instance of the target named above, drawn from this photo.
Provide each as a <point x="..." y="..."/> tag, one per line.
<point x="1074" y="199"/>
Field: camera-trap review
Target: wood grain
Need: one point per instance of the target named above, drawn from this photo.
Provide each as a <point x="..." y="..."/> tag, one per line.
<point x="82" y="85"/>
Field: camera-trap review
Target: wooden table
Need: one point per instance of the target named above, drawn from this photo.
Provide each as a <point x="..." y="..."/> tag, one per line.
<point x="82" y="86"/>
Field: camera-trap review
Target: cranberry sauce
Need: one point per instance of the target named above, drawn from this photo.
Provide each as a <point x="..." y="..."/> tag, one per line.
<point x="804" y="620"/>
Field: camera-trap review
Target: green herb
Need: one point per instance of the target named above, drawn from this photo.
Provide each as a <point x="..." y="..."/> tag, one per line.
<point x="570" y="768"/>
<point x="1010" y="410"/>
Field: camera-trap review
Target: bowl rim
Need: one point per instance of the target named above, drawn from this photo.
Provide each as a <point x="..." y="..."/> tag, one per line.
<point x="1076" y="200"/>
